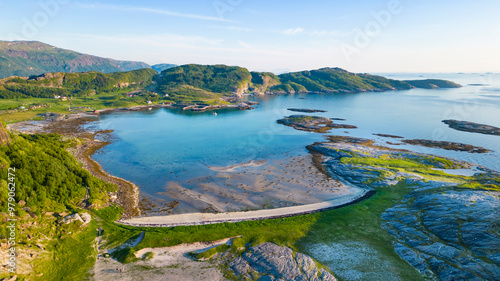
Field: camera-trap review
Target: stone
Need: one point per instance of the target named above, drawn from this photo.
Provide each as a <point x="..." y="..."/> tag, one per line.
<point x="239" y="266"/>
<point x="72" y="218"/>
<point x="86" y="218"/>
<point x="274" y="262"/>
<point x="472" y="127"/>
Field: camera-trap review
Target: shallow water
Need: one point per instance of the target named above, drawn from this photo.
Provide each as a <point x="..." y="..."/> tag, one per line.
<point x="154" y="147"/>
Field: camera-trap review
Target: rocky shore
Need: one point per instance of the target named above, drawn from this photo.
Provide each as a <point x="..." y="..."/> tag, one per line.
<point x="448" y="145"/>
<point x="314" y="124"/>
<point x="272" y="262"/>
<point x="305" y="110"/>
<point x="472" y="127"/>
<point x="446" y="227"/>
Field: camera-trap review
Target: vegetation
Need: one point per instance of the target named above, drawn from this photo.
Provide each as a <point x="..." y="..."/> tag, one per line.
<point x="72" y="254"/>
<point x="27" y="58"/>
<point x="432" y="83"/>
<point x="335" y="79"/>
<point x="220" y="80"/>
<point x="73" y="84"/>
<point x="47" y="176"/>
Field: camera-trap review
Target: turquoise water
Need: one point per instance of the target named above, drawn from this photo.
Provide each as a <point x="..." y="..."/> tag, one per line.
<point x="154" y="147"/>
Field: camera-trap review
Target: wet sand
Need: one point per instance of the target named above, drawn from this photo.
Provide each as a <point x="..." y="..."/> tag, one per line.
<point x="256" y="185"/>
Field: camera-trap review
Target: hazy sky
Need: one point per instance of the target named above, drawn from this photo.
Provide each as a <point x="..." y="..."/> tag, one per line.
<point x="360" y="36"/>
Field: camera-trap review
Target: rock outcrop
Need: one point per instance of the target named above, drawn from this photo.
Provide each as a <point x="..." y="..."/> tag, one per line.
<point x="448" y="145"/>
<point x="312" y="123"/>
<point x="472" y="127"/>
<point x="305" y="110"/>
<point x="272" y="262"/>
<point x="84" y="218"/>
<point x="447" y="227"/>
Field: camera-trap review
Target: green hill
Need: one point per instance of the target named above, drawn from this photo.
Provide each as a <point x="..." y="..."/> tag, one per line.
<point x="49" y="85"/>
<point x="432" y="84"/>
<point x="201" y="82"/>
<point x="27" y="58"/>
<point x="334" y="80"/>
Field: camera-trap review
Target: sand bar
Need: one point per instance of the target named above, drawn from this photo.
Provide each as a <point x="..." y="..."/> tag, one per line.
<point x="356" y="195"/>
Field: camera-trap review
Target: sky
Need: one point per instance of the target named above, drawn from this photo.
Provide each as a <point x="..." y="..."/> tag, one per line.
<point x="278" y="36"/>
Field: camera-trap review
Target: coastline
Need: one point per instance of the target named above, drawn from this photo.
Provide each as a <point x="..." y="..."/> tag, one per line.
<point x="127" y="195"/>
<point x="210" y="218"/>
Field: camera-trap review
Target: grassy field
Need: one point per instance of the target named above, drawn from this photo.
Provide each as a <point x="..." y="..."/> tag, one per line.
<point x="96" y="102"/>
<point x="359" y="222"/>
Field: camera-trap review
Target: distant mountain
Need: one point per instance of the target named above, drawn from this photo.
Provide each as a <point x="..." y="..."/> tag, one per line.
<point x="27" y="58"/>
<point x="162" y="66"/>
<point x="203" y="82"/>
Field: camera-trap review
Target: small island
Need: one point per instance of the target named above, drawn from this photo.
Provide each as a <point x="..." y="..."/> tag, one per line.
<point x="448" y="145"/>
<point x="312" y="123"/>
<point x="472" y="127"/>
<point x="305" y="110"/>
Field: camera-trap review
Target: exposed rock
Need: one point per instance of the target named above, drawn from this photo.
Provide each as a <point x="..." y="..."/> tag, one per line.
<point x="239" y="266"/>
<point x="448" y="145"/>
<point x="446" y="233"/>
<point x="72" y="218"/>
<point x="312" y="123"/>
<point x="472" y="127"/>
<point x="388" y="136"/>
<point x="278" y="263"/>
<point x="305" y="110"/>
<point x="84" y="218"/>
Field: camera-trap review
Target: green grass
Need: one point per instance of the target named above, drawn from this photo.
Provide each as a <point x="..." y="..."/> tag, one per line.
<point x="359" y="222"/>
<point x="362" y="223"/>
<point x="211" y="252"/>
<point x="383" y="162"/>
<point x="71" y="256"/>
<point x="96" y="102"/>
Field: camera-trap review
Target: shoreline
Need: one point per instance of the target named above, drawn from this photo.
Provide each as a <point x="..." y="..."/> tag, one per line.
<point x="127" y="195"/>
<point x="263" y="214"/>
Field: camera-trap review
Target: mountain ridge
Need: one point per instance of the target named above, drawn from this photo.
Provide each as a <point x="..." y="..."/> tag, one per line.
<point x="31" y="58"/>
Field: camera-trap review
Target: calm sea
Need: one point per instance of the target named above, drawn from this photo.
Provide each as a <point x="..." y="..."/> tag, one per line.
<point x="153" y="147"/>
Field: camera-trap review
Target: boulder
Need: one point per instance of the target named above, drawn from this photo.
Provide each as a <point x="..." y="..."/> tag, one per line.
<point x="279" y="263"/>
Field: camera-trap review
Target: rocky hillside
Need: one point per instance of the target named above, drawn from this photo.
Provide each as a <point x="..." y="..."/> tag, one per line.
<point x="26" y="58"/>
